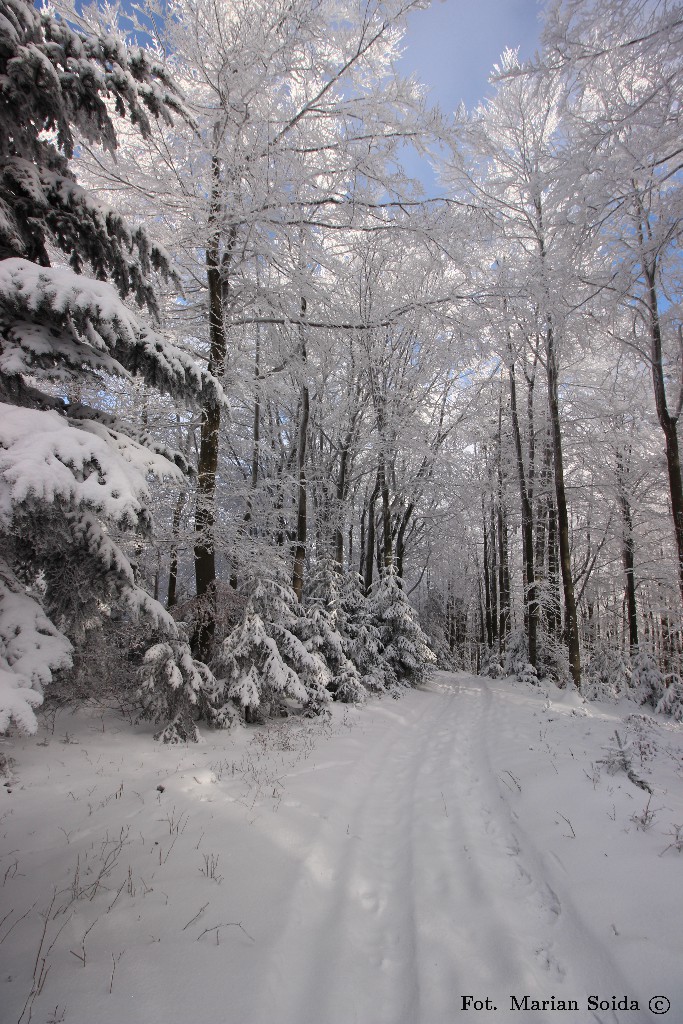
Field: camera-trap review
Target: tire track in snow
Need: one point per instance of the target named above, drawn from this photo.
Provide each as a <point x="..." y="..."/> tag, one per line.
<point x="419" y="888"/>
<point x="582" y="960"/>
<point x="352" y="911"/>
<point x="481" y="935"/>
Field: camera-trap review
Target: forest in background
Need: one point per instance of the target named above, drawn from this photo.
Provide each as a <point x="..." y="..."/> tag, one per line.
<point x="275" y="425"/>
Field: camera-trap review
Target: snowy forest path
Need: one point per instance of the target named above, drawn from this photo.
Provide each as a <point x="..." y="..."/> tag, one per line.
<point x="373" y="867"/>
<point x="418" y="887"/>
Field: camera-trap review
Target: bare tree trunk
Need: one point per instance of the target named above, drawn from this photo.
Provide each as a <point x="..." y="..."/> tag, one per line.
<point x="370" y="538"/>
<point x="628" y="555"/>
<point x="171" y="597"/>
<point x="571" y="621"/>
<point x="345" y="463"/>
<point x="450" y="618"/>
<point x="503" y="567"/>
<point x="301" y="519"/>
<point x="554" y="618"/>
<point x="361" y="542"/>
<point x="503" y="580"/>
<point x="205" y="513"/>
<point x="530" y="602"/>
<point x="255" y="458"/>
<point x="401" y="538"/>
<point x="543" y="501"/>
<point x="493" y="569"/>
<point x="487" y="582"/>
<point x="341" y="498"/>
<point x="667" y="422"/>
<point x="387" y="553"/>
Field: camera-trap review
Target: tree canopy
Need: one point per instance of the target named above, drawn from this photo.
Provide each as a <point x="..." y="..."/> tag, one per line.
<point x="308" y="429"/>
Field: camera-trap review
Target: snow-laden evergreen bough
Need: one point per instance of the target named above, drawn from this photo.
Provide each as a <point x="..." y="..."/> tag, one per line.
<point x="263" y="660"/>
<point x="337" y="644"/>
<point x="360" y="633"/>
<point x="73" y="481"/>
<point x="323" y="632"/>
<point x="406" y="656"/>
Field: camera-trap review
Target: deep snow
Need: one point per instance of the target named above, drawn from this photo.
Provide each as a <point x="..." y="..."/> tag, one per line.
<point x="374" y="868"/>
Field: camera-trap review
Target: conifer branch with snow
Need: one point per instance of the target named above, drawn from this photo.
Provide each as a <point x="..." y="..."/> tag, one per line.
<point x="73" y="482"/>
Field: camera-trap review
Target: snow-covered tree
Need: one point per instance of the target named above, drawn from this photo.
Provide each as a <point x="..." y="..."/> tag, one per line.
<point x="321" y="633"/>
<point x="175" y="690"/>
<point x="263" y="661"/>
<point x="647" y="680"/>
<point x="360" y="633"/>
<point x="59" y="85"/>
<point x="622" y="66"/>
<point x="671" y="701"/>
<point x="406" y="656"/>
<point x="607" y="674"/>
<point x="302" y="119"/>
<point x="31" y="648"/>
<point x="73" y="483"/>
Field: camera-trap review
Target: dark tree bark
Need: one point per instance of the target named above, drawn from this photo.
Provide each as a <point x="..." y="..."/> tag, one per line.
<point x="302" y="491"/>
<point x="571" y="620"/>
<point x="494" y="574"/>
<point x="487" y="582"/>
<point x="255" y="459"/>
<point x="530" y="602"/>
<point x="503" y="565"/>
<point x="401" y="537"/>
<point x="387" y="552"/>
<point x="553" y="609"/>
<point x="171" y="597"/>
<point x="450" y="619"/>
<point x="543" y="499"/>
<point x="344" y="456"/>
<point x="361" y="542"/>
<point x="667" y="421"/>
<point x="217" y="272"/>
<point x="370" y="538"/>
<point x="503" y="579"/>
<point x="628" y="554"/>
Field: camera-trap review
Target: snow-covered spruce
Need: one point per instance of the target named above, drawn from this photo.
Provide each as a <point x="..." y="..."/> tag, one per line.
<point x="175" y="690"/>
<point x="406" y="656"/>
<point x="647" y="681"/>
<point x="263" y="660"/>
<point x="671" y="702"/>
<point x="68" y="496"/>
<point x="516" y="660"/>
<point x="58" y="85"/>
<point x="58" y="325"/>
<point x="608" y="674"/>
<point x="516" y="652"/>
<point x="31" y="649"/>
<point x="320" y="631"/>
<point x="360" y="633"/>
<point x="73" y="482"/>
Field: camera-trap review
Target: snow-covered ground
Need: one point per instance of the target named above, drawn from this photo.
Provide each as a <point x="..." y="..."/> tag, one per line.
<point x="377" y="868"/>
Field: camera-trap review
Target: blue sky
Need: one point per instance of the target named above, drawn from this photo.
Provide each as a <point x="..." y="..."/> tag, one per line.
<point x="452" y="47"/>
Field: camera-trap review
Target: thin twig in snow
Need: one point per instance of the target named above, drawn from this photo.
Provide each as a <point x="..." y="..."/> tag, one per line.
<point x="227" y="924"/>
<point x="573" y="835"/>
<point x="198" y="914"/>
<point x="115" y="960"/>
<point x="16" y="922"/>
